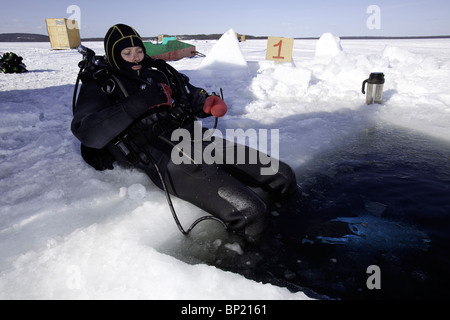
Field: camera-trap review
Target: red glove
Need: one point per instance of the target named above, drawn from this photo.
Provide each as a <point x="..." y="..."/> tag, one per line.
<point x="215" y="106"/>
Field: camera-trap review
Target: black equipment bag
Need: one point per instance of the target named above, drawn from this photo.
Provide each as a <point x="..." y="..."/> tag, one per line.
<point x="12" y="63"/>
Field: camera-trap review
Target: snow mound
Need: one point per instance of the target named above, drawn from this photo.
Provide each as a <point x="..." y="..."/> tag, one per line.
<point x="225" y="56"/>
<point x="280" y="82"/>
<point x="328" y="45"/>
<point x="402" y="57"/>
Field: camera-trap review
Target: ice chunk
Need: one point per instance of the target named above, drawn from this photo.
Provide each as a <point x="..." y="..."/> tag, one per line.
<point x="234" y="247"/>
<point x="136" y="191"/>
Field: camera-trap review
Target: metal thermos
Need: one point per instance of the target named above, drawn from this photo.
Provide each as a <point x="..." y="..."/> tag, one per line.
<point x="375" y="85"/>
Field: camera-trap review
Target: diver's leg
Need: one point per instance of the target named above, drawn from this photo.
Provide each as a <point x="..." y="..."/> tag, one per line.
<point x="258" y="170"/>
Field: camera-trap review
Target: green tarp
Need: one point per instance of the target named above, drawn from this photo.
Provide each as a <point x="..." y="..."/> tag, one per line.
<point x="171" y="45"/>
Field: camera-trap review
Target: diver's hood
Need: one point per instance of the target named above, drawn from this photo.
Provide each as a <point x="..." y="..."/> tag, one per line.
<point x="119" y="37"/>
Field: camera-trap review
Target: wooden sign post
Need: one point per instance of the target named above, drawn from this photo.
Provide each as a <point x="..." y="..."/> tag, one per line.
<point x="279" y="49"/>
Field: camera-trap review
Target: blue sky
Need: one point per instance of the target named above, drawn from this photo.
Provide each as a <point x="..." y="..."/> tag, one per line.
<point x="285" y="18"/>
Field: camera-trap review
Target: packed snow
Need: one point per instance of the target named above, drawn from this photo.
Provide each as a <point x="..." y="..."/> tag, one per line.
<point x="70" y="232"/>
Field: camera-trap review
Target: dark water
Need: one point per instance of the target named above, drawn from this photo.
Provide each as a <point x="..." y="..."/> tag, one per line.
<point x="382" y="199"/>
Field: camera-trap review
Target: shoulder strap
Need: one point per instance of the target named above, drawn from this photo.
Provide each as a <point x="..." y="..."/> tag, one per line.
<point x="178" y="81"/>
<point x="103" y="77"/>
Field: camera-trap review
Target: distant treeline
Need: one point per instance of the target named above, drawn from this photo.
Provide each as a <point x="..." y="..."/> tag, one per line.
<point x="31" y="37"/>
<point x="23" y="37"/>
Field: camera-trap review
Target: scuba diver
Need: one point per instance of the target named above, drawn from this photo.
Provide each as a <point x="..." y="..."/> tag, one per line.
<point x="128" y="106"/>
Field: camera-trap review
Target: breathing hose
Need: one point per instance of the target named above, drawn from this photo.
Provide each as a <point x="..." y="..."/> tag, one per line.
<point x="172" y="209"/>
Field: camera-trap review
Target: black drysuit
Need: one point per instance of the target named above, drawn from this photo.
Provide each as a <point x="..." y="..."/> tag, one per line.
<point x="227" y="191"/>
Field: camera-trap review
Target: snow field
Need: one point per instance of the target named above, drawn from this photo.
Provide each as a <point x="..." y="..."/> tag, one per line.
<point x="69" y="232"/>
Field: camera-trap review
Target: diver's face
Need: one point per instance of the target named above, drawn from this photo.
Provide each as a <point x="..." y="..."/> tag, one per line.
<point x="133" y="55"/>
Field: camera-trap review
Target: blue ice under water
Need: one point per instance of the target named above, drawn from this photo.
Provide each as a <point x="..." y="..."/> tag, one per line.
<point x="376" y="233"/>
<point x="381" y="199"/>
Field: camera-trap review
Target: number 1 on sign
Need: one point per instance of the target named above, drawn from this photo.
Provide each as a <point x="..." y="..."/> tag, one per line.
<point x="279" y="49"/>
<point x="278" y="57"/>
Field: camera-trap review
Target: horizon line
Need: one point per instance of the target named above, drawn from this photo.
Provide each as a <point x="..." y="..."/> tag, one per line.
<point x="212" y="36"/>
